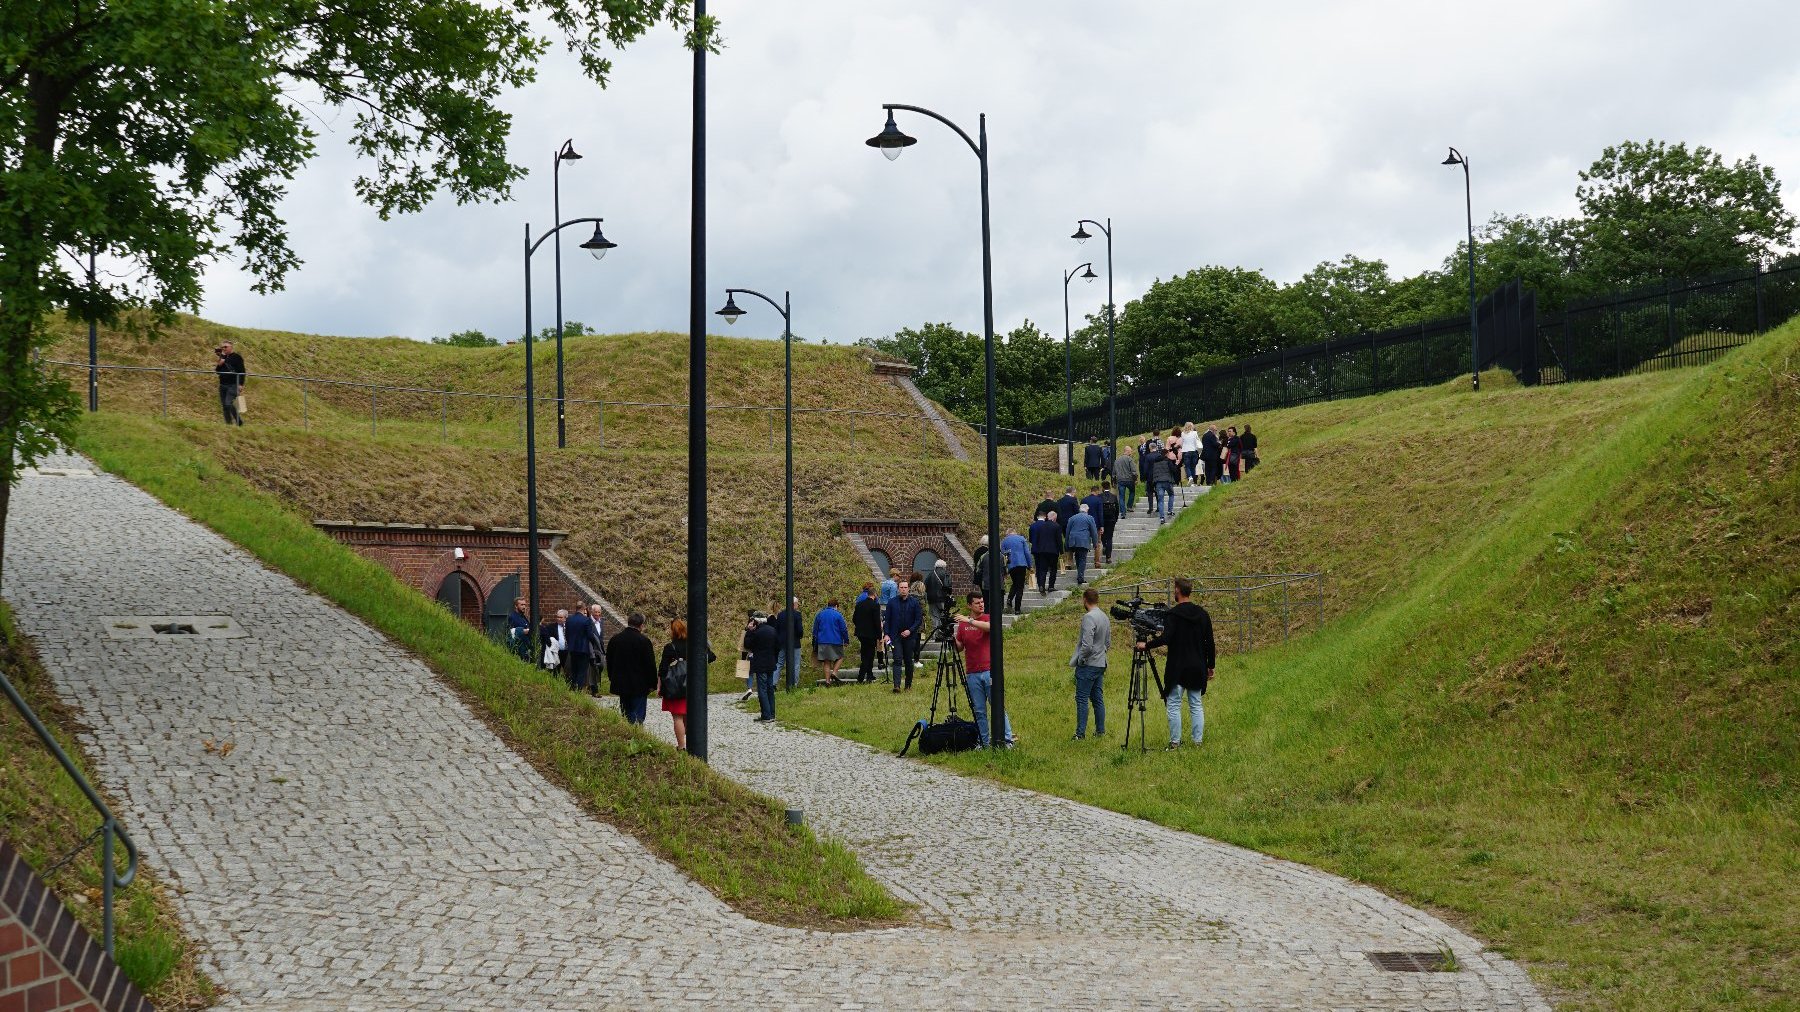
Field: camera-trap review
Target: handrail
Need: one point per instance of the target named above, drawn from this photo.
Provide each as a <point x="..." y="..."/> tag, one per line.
<point x="110" y="878"/>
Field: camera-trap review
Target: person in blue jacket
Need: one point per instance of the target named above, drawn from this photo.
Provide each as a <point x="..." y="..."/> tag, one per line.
<point x="830" y="633"/>
<point x="904" y="622"/>
<point x="1084" y="534"/>
<point x="1018" y="563"/>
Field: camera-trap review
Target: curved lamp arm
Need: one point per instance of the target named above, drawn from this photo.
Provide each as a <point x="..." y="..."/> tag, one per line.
<point x="1089" y="221"/>
<point x="751" y="291"/>
<point x="1069" y="275"/>
<point x="891" y="106"/>
<point x="533" y="248"/>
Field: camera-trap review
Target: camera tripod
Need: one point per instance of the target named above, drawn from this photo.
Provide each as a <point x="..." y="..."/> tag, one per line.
<point x="950" y="674"/>
<point x="1143" y="672"/>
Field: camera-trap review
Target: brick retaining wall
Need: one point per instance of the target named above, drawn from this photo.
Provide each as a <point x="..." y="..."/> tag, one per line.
<point x="48" y="961"/>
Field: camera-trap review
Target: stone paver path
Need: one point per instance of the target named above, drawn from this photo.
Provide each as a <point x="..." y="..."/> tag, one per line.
<point x="369" y="844"/>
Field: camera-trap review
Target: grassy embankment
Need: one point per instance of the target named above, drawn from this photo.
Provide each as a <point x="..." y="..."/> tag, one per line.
<point x="46" y="816"/>
<point x="729" y="839"/>
<point x="1555" y="696"/>
<point x="635" y="373"/>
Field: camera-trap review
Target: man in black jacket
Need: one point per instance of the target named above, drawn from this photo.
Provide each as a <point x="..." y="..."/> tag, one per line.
<point x="230" y="367"/>
<point x="790" y="634"/>
<point x="1210" y="448"/>
<point x="1066" y="508"/>
<point x="1189" y="637"/>
<point x="763" y="646"/>
<point x="939" y="594"/>
<point x="631" y="659"/>
<point x="1046" y="504"/>
<point x="866" y="621"/>
<point x="1093" y="457"/>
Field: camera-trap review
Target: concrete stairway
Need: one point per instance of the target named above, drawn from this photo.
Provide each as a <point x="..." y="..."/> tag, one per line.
<point x="1135" y="528"/>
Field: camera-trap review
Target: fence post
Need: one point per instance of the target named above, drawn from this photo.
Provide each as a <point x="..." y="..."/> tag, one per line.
<point x="165" y="373"/>
<point x="305" y="409"/>
<point x="444" y="420"/>
<point x="853" y="432"/>
<point x="770" y="415"/>
<point x="1669" y="310"/>
<point x="1762" y="321"/>
<point x="1618" y="341"/>
<point x="372" y="395"/>
<point x="602" y="415"/>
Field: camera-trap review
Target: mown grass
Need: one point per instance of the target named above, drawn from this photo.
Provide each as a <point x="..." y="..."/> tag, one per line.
<point x="45" y="815"/>
<point x="1557" y="700"/>
<point x="730" y="840"/>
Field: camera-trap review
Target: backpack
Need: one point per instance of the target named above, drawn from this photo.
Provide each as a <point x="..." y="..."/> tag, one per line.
<point x="674" y="680"/>
<point x="953" y="735"/>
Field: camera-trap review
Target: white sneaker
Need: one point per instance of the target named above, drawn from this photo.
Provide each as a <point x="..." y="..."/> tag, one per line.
<point x="747" y="694"/>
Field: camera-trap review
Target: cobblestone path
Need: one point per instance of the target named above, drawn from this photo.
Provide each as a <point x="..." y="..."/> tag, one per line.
<point x="368" y="844"/>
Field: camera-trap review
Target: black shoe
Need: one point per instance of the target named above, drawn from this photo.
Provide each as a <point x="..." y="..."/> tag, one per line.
<point x="764" y="720"/>
<point x="896" y="690"/>
<point x="1078" y="738"/>
<point x="1172" y="746"/>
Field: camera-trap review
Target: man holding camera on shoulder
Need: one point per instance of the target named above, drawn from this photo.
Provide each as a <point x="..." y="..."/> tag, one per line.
<point x="1188" y="634"/>
<point x="230" y="367"/>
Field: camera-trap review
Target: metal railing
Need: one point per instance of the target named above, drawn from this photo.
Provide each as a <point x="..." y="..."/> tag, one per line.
<point x="111" y="879"/>
<point x="1246" y="607"/>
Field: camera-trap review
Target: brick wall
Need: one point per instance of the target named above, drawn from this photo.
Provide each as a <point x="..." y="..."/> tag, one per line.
<point x="48" y="962"/>
<point x="424" y="556"/>
<point x="902" y="540"/>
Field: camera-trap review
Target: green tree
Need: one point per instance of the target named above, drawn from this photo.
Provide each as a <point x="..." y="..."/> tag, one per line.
<point x="467" y="339"/>
<point x="571" y="328"/>
<point x="1547" y="254"/>
<point x="1338" y="298"/>
<point x="1654" y="210"/>
<point x="162" y="133"/>
<point x="1196" y="320"/>
<point x="949" y="365"/>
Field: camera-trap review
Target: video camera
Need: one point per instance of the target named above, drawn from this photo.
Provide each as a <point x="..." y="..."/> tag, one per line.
<point x="1146" y="619"/>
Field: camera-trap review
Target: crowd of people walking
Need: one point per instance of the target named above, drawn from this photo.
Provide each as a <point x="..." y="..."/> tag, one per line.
<point x="893" y="620"/>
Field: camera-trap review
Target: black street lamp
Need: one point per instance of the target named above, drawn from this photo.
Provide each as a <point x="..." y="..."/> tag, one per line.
<point x="598" y="244"/>
<point x="1068" y="358"/>
<point x="891" y="142"/>
<point x="699" y="643"/>
<point x="93" y="344"/>
<point x="1112" y="383"/>
<point x="1458" y="158"/>
<point x="731" y="312"/>
<point x="566" y="153"/>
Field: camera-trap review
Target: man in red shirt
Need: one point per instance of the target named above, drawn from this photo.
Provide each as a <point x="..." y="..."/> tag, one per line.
<point x="973" y="639"/>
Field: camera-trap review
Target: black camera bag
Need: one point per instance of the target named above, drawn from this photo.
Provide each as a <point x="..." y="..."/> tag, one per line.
<point x="953" y="735"/>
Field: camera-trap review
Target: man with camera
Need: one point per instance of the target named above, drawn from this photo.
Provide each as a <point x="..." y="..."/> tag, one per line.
<point x="230" y="367"/>
<point x="1188" y="634"/>
<point x="974" y="639"/>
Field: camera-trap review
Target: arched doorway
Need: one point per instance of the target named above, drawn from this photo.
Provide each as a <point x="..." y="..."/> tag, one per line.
<point x="925" y="560"/>
<point x="460" y="593"/>
<point x="882" y="563"/>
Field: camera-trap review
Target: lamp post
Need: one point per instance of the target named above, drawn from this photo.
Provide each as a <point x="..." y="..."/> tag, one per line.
<point x="891" y="142"/>
<point x="1068" y="358"/>
<point x="696" y="517"/>
<point x="597" y="244"/>
<point x="93" y="344"/>
<point x="1112" y="383"/>
<point x="566" y="153"/>
<point x="731" y="312"/>
<point x="1458" y="158"/>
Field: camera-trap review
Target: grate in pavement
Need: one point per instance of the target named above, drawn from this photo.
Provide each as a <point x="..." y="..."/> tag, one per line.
<point x="1411" y="962"/>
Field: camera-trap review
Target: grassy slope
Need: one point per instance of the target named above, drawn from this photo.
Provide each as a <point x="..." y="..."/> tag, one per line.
<point x="46" y="816"/>
<point x="640" y="368"/>
<point x="730" y="840"/>
<point x="1557" y="698"/>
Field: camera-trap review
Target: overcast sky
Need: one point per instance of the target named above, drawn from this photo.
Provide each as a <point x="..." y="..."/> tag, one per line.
<point x="1259" y="135"/>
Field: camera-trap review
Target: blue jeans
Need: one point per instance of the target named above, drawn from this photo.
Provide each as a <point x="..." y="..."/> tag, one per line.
<point x="793" y="677"/>
<point x="1196" y="713"/>
<point x="1080" y="565"/>
<point x="981" y="686"/>
<point x="1088" y="687"/>
<point x="633" y="708"/>
<point x="765" y="693"/>
<point x="1165" y="499"/>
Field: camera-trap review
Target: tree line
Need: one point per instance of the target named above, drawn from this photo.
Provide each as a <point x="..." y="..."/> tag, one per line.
<point x="1648" y="211"/>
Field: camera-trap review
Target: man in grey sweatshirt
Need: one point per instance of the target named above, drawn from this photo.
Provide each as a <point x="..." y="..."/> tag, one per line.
<point x="1090" y="665"/>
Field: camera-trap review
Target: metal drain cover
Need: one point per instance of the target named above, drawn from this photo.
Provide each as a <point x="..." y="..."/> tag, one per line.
<point x="172" y="627"/>
<point x="1411" y="962"/>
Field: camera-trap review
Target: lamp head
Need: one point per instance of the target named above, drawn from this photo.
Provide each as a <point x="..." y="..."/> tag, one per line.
<point x="568" y="153"/>
<point x="1089" y="274"/>
<point x="1453" y="158"/>
<point x="731" y="312"/>
<point x="1081" y="234"/>
<point x="597" y="244"/>
<point x="890" y="140"/>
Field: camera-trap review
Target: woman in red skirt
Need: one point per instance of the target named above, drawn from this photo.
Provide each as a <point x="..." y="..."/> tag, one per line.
<point x="676" y="649"/>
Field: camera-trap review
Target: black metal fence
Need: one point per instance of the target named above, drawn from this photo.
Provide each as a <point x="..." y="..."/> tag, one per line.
<point x="1671" y="325"/>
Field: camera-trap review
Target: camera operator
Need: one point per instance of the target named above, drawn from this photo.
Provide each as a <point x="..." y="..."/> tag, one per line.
<point x="1189" y="636"/>
<point x="974" y="639"/>
<point x="230" y="367"/>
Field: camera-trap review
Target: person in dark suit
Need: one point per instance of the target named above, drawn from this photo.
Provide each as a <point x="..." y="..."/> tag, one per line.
<point x="631" y="661"/>
<point x="1210" y="449"/>
<point x="1189" y="636"/>
<point x="763" y="645"/>
<point x="865" y="619"/>
<point x="790" y="633"/>
<point x="580" y="633"/>
<point x="1093" y="457"/>
<point x="1046" y="504"/>
<point x="1046" y="540"/>
<point x="904" y="625"/>
<point x="1066" y="508"/>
